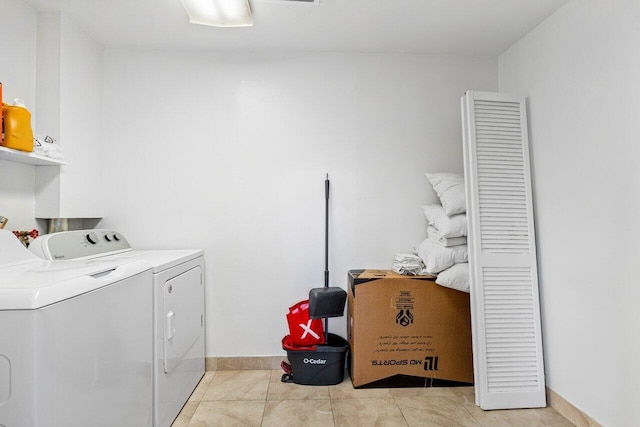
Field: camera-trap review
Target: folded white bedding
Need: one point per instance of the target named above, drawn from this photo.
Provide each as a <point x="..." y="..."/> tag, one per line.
<point x="434" y="235"/>
<point x="437" y="258"/>
<point x="407" y="258"/>
<point x="409" y="264"/>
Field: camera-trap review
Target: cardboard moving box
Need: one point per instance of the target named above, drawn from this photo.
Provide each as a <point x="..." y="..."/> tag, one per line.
<point x="407" y="327"/>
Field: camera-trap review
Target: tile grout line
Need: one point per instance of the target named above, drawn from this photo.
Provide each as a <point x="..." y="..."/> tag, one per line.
<point x="462" y="402"/>
<point x="266" y="397"/>
<point x="400" y="409"/>
<point x="333" y="414"/>
<point x="201" y="395"/>
<point x="188" y="421"/>
<point x="464" y="407"/>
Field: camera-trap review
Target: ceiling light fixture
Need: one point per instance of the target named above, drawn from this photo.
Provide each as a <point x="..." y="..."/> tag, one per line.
<point x="219" y="13"/>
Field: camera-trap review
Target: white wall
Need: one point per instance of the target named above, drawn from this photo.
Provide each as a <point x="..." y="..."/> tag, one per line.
<point x="69" y="91"/>
<point x="17" y="74"/>
<point x="229" y="153"/>
<point x="581" y="72"/>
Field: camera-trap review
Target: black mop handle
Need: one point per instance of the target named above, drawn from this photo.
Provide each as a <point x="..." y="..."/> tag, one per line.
<point x="326" y="232"/>
<point x="326" y="250"/>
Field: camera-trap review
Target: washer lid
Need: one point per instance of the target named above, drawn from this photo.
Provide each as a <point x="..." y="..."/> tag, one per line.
<point x="28" y="282"/>
<point x="32" y="285"/>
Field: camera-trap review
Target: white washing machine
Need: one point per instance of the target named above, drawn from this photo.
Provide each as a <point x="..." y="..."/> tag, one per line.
<point x="178" y="305"/>
<point x="75" y="348"/>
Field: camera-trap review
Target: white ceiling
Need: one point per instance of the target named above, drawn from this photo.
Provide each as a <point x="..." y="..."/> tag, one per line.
<point x="458" y="27"/>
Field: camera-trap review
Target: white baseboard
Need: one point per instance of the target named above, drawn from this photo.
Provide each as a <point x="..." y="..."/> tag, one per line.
<point x="570" y="412"/>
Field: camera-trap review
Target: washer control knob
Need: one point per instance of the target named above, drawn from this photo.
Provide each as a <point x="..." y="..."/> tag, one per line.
<point x="92" y="238"/>
<point x="106" y="237"/>
<point x="116" y="237"/>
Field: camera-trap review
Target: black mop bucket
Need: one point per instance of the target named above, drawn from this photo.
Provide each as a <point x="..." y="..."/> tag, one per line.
<point x="321" y="364"/>
<point x="318" y="365"/>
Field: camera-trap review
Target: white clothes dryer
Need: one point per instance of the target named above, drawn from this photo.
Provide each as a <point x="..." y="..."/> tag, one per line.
<point x="75" y="348"/>
<point x="178" y="308"/>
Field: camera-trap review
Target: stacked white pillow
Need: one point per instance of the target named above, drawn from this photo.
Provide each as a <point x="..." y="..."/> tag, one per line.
<point x="450" y="190"/>
<point x="444" y="251"/>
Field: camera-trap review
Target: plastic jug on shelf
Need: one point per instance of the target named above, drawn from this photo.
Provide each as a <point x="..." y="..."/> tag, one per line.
<point x="16" y="127"/>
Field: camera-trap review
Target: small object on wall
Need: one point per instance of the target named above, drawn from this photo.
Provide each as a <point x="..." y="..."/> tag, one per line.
<point x="3" y="222"/>
<point x="24" y="236"/>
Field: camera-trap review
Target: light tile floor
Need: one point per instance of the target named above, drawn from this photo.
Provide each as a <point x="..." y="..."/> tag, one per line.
<point x="259" y="398"/>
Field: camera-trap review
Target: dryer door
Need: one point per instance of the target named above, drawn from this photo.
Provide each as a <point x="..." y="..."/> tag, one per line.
<point x="183" y="315"/>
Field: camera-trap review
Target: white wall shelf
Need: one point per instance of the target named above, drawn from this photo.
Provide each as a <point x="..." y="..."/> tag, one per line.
<point x="28" y="158"/>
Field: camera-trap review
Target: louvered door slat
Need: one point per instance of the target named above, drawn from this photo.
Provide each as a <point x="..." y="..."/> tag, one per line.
<point x="507" y="342"/>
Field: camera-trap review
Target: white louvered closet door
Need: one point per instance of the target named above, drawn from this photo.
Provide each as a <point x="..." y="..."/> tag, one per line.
<point x="505" y="310"/>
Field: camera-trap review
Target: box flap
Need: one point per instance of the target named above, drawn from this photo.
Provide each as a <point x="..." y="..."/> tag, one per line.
<point x="375" y="274"/>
